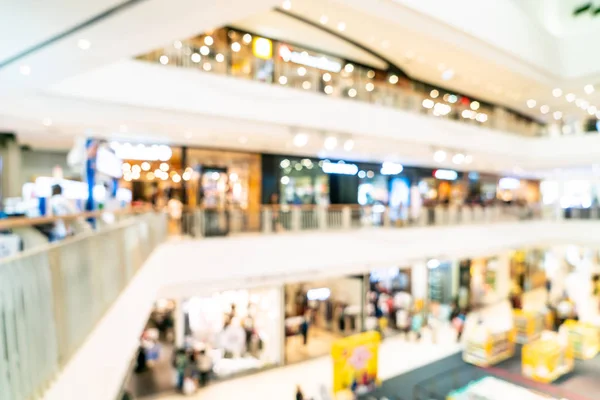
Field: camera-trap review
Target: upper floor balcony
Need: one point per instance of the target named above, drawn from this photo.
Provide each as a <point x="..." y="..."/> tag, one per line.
<point x="243" y="55"/>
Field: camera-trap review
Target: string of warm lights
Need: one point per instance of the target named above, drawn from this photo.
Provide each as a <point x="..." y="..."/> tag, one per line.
<point x="144" y="172"/>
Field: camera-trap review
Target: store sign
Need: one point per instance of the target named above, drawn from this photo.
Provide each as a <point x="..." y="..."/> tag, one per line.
<point x="303" y="58"/>
<point x="320" y="294"/>
<point x="262" y="48"/>
<point x="340" y="168"/>
<point x="445" y="174"/>
<point x="141" y="152"/>
<point x="390" y="168"/>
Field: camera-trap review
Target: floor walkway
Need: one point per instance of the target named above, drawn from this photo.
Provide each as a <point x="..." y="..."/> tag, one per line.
<point x="396" y="357"/>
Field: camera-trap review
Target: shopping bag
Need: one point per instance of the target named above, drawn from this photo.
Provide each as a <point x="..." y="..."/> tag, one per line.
<point x="189" y="387"/>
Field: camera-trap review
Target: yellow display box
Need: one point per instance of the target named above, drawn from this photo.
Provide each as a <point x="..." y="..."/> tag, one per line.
<point x="528" y="325"/>
<point x="485" y="348"/>
<point x="548" y="358"/>
<point x="355" y="363"/>
<point x="583" y="338"/>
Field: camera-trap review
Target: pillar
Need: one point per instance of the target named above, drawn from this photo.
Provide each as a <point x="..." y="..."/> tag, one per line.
<point x="10" y="166"/>
<point x="179" y="317"/>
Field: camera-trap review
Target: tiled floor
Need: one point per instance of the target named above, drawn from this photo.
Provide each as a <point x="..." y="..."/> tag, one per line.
<point x="396" y="357"/>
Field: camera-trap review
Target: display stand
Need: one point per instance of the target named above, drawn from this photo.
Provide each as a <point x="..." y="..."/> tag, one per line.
<point x="583" y="338"/>
<point x="528" y="325"/>
<point x="548" y="358"/>
<point x="485" y="347"/>
<point x="490" y="388"/>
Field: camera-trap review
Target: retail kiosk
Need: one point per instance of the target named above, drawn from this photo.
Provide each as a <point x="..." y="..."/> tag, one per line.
<point x="528" y="325"/>
<point x="548" y="358"/>
<point x="487" y="346"/>
<point x="583" y="338"/>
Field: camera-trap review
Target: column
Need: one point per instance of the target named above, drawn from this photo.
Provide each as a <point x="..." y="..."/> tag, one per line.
<point x="10" y="166"/>
<point x="179" y="317"/>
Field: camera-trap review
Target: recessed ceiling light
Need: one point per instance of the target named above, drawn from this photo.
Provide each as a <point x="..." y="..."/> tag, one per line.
<point x="349" y="145"/>
<point x="287" y="5"/>
<point x="448" y="74"/>
<point x="282" y="80"/>
<point x="300" y="139"/>
<point x="341" y="26"/>
<point x="458" y="158"/>
<point x="468" y="159"/>
<point x="204" y="50"/>
<point x="25" y="70"/>
<point x="208" y="40"/>
<point x="434" y="94"/>
<point x="544" y="109"/>
<point x="570" y="97"/>
<point x="557" y="92"/>
<point x="324" y="19"/>
<point x="393" y="79"/>
<point x="46" y="122"/>
<point x="164" y="60"/>
<point x="352" y="92"/>
<point x="439" y="155"/>
<point x="589" y="89"/>
<point x="557" y="115"/>
<point x="474" y="105"/>
<point x="196" y="58"/>
<point x="531" y="103"/>
<point x="235" y="46"/>
<point x="84" y="44"/>
<point x="592" y="110"/>
<point x="220" y="57"/>
<point x="177" y="44"/>
<point x="370" y="87"/>
<point x="330" y="142"/>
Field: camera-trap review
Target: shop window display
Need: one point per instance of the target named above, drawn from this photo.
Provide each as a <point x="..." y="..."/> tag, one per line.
<point x="319" y="313"/>
<point x="390" y="302"/>
<point x="239" y="330"/>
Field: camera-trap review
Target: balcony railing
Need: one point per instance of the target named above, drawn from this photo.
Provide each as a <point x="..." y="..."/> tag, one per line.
<point x="278" y="219"/>
<point x="52" y="296"/>
<point x="230" y="52"/>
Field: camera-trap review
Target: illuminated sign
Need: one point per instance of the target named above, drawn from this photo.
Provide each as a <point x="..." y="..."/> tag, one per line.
<point x="108" y="163"/>
<point x="445" y="174"/>
<point x="509" y="183"/>
<point x="390" y="168"/>
<point x="318" y="294"/>
<point x="262" y="48"/>
<point x="142" y="152"/>
<point x="303" y="58"/>
<point x="340" y="168"/>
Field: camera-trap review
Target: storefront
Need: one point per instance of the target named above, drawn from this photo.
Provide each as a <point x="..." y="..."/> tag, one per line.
<point x="513" y="190"/>
<point x="390" y="299"/>
<point x="320" y="312"/>
<point x="241" y="329"/>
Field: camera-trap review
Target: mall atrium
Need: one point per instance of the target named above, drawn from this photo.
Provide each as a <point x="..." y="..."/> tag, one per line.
<point x="299" y="199"/>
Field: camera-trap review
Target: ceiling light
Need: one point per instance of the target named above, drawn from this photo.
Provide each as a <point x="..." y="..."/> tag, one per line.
<point x="592" y="110"/>
<point x="208" y="40"/>
<point x="176" y="178"/>
<point x="439" y="156"/>
<point x="349" y="68"/>
<point x="328" y="89"/>
<point x="46" y="122"/>
<point x="481" y="117"/>
<point x="544" y="109"/>
<point x="323" y="20"/>
<point x="452" y="98"/>
<point x="300" y="139"/>
<point x="393" y="79"/>
<point x="330" y="143"/>
<point x="371" y="74"/>
<point x="164" y="167"/>
<point x="204" y="50"/>
<point x="164" y="60"/>
<point x="301" y="71"/>
<point x="235" y="46"/>
<point x="206" y="66"/>
<point x="352" y="92"/>
<point x="531" y="103"/>
<point x="557" y="115"/>
<point x="468" y="159"/>
<point x="341" y="26"/>
<point x="349" y="145"/>
<point x="369" y="86"/>
<point x="589" y="89"/>
<point x="570" y="97"/>
<point x="247" y="38"/>
<point x="585" y="104"/>
<point x="474" y="105"/>
<point x="287" y="5"/>
<point x="196" y="57"/>
<point x="458" y="158"/>
<point x="177" y="44"/>
<point x="220" y="57"/>
<point x="467" y="113"/>
<point x="326" y="77"/>
<point x="282" y="80"/>
<point x="84" y="44"/>
<point x="428" y="103"/>
<point x="362" y="174"/>
<point x="557" y="92"/>
<point x="306" y="85"/>
<point x="285" y="180"/>
<point x="146" y="166"/>
<point x="25" y="70"/>
<point x="448" y="74"/>
<point x="434" y="94"/>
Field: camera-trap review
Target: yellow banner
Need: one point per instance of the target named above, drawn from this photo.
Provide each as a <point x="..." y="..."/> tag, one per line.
<point x="355" y="361"/>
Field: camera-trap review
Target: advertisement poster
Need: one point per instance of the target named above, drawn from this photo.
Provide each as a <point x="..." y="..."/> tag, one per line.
<point x="355" y="360"/>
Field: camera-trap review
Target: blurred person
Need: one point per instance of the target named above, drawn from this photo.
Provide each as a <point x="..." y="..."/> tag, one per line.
<point x="204" y="364"/>
<point x="60" y="206"/>
<point x="180" y="362"/>
<point x="299" y="394"/>
<point x="304" y="329"/>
